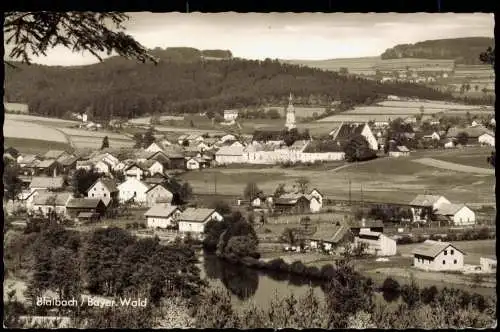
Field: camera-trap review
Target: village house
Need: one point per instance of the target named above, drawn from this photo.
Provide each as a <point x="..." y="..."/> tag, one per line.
<point x="45" y="202"/>
<point x="329" y="238"/>
<point x="433" y="135"/>
<point x="449" y="143"/>
<point x="48" y="167"/>
<point x="473" y="133"/>
<point x="230" y="115"/>
<point x="155" y="179"/>
<point x="85" y="165"/>
<point x="158" y="194"/>
<point x="457" y="214"/>
<point x="161" y="216"/>
<point x="105" y="189"/>
<point x="102" y="166"/>
<point x="398" y="151"/>
<point x="423" y="206"/>
<point x="134" y="190"/>
<point x="190" y="138"/>
<point x="159" y="156"/>
<point x="85" y="208"/>
<point x="488" y="265"/>
<point x="377" y="243"/>
<point x="487" y="139"/>
<point x="296" y="203"/>
<point x="194" y="220"/>
<point x="438" y="256"/>
<point x="194" y="163"/>
<point x="45" y="182"/>
<point x="136" y="170"/>
<point x="349" y="130"/>
<point x="106" y="157"/>
<point x="176" y="158"/>
<point x="230" y="155"/>
<point x="155" y="147"/>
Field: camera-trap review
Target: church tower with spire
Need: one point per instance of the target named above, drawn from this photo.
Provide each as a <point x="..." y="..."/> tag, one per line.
<point x="290" y="114"/>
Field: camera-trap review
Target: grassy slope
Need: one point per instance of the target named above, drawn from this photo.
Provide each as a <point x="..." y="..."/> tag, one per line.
<point x="26" y="145"/>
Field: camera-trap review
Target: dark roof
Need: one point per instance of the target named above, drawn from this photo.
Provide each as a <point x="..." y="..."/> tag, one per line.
<point x="46" y="163"/>
<point x="156" y="185"/>
<point x="161" y="210"/>
<point x="196" y="214"/>
<point x="324" y="146"/>
<point x="347" y="130"/>
<point x="366" y="224"/>
<point x="47" y="182"/>
<point x="90" y="203"/>
<point x="53" y="154"/>
<point x="69" y="161"/>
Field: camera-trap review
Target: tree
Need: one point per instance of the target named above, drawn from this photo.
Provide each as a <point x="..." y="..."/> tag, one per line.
<point x="83" y="179"/>
<point x="488" y="56"/>
<point x="410" y="293"/>
<point x="462" y="138"/>
<point x="391" y="289"/>
<point x="343" y="71"/>
<point x="105" y="143"/>
<point x="148" y="138"/>
<point x="222" y="207"/>
<point x="289" y="236"/>
<point x="251" y="191"/>
<point x="280" y="190"/>
<point x="303" y="184"/>
<point x="78" y="31"/>
<point x="358" y="149"/>
<point x="12" y="183"/>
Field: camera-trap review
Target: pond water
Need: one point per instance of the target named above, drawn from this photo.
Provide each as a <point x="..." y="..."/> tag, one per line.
<point x="249" y="286"/>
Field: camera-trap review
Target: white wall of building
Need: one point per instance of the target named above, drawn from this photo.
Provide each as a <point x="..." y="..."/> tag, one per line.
<point x="464" y="216"/>
<point x="453" y="260"/>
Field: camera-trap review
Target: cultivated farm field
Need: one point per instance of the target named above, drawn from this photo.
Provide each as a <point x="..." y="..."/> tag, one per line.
<point x="34" y="146"/>
<point x="455" y="167"/>
<point x="31" y="130"/>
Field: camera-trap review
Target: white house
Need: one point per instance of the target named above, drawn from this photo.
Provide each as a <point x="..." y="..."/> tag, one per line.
<point x="399" y="151"/>
<point x="230" y="115"/>
<point x="488" y="265"/>
<point x="438" y="256"/>
<point x="227" y="138"/>
<point x="487" y="139"/>
<point x="459" y="214"/>
<point x="135" y="171"/>
<point x="102" y="166"/>
<point x="230" y="155"/>
<point x="49" y="201"/>
<point x="449" y="144"/>
<point x="193" y="220"/>
<point x="193" y="163"/>
<point x="158" y="194"/>
<point x="430" y="202"/>
<point x="105" y="189"/>
<point x="377" y="243"/>
<point x="134" y="189"/>
<point x="161" y="215"/>
<point x="153" y="167"/>
<point x="432" y="136"/>
<point x="316" y="194"/>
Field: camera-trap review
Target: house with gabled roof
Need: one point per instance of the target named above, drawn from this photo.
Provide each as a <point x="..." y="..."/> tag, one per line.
<point x="156" y="147"/>
<point x="69" y="164"/>
<point x="134" y="190"/>
<point x="488" y="138"/>
<point x="48" y="167"/>
<point x="398" y="151"/>
<point x="376" y="243"/>
<point x="296" y="203"/>
<point x="56" y="154"/>
<point x="328" y="237"/>
<point x="24" y="160"/>
<point x="47" y="201"/>
<point x="423" y="206"/>
<point x="157" y="193"/>
<point x="438" y="256"/>
<point x="194" y="220"/>
<point x="85" y="208"/>
<point x="457" y="214"/>
<point x="230" y="155"/>
<point x="105" y="189"/>
<point x="162" y="216"/>
<point x="348" y="130"/>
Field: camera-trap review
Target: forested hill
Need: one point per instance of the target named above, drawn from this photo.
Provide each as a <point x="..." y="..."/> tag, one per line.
<point x="121" y="87"/>
<point x="462" y="50"/>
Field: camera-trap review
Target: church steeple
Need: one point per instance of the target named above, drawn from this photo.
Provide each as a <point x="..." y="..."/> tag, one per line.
<point x="290" y="114"/>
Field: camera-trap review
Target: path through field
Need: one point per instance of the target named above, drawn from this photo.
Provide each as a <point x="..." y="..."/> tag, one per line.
<point x="454" y="166"/>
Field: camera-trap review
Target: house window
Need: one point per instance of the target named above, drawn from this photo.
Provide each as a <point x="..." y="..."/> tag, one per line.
<point x="454" y="261"/>
<point x="452" y="252"/>
<point x="444" y="262"/>
<point x="92" y="195"/>
<point x="95" y="189"/>
<point x="104" y="195"/>
<point x="446" y="252"/>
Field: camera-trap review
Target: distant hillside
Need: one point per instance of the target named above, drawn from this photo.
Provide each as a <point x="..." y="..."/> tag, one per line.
<point x="184" y="83"/>
<point x="462" y="50"/>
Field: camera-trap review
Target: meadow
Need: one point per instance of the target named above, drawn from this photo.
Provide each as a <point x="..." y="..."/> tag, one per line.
<point x="31" y="130"/>
<point x="34" y="146"/>
<point x="396" y="180"/>
<point x="300" y="112"/>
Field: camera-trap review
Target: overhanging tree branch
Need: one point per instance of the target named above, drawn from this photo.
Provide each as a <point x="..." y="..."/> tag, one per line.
<point x="33" y="33"/>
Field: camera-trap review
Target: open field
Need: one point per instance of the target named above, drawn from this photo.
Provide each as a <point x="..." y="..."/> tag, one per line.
<point x="467" y="160"/>
<point x="146" y="120"/>
<point x="455" y="167"/>
<point x="31" y="130"/>
<point x="89" y="133"/>
<point x="426" y="104"/>
<point x="396" y="180"/>
<point x="34" y="146"/>
<point x="354" y="65"/>
<point x="40" y="119"/>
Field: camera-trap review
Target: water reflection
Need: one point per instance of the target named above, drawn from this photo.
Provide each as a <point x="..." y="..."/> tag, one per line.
<point x="238" y="279"/>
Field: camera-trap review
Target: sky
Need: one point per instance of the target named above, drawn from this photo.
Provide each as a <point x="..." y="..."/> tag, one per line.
<point x="306" y="36"/>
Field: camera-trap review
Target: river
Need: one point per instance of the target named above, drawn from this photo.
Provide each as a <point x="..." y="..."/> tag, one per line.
<point x="249" y="286"/>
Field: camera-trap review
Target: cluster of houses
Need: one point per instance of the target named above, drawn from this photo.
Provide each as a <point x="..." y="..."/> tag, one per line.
<point x="425" y="207"/>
